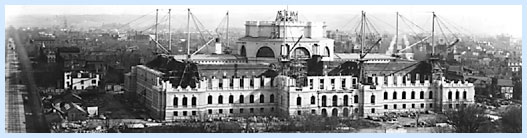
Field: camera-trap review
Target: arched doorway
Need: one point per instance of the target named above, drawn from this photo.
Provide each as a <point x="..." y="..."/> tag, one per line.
<point x="326" y="52"/>
<point x="243" y="52"/>
<point x="265" y="52"/>
<point x="301" y="52"/>
<point x="324" y="113"/>
<point x="345" y="112"/>
<point x="334" y="112"/>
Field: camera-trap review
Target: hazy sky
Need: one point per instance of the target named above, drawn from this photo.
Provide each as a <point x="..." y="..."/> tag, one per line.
<point x="486" y="19"/>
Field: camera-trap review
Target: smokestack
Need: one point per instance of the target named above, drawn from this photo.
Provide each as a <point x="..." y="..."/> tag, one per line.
<point x="218" y="46"/>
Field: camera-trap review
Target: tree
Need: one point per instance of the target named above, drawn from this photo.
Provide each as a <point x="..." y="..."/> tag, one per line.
<point x="467" y="119"/>
<point x="511" y="120"/>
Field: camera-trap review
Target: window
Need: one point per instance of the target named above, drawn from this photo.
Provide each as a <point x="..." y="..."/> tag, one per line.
<point x="373" y="110"/>
<point x="210" y="111"/>
<point x="413" y="105"/>
<point x="431" y="95"/>
<point x="271" y="98"/>
<point x="251" y="99"/>
<point x="272" y="109"/>
<point x="209" y="99"/>
<point x="312" y="99"/>
<point x="450" y="106"/>
<point x="220" y="111"/>
<point x="184" y="113"/>
<point x="404" y="106"/>
<point x="262" y="110"/>
<point x="422" y="105"/>
<point x="298" y="101"/>
<point x="412" y="95"/>
<point x="385" y="95"/>
<point x="231" y="99"/>
<point x="220" y="99"/>
<point x="310" y="83"/>
<point x="251" y="110"/>
<point x="324" y="99"/>
<point x="395" y="106"/>
<point x="404" y="95"/>
<point x="394" y="95"/>
<point x="93" y="81"/>
<point x="194" y="101"/>
<point x="372" y="99"/>
<point x="385" y="106"/>
<point x="241" y="111"/>
<point x="241" y="99"/>
<point x="194" y="113"/>
<point x="449" y="95"/>
<point x="185" y="101"/>
<point x="343" y="83"/>
<point x="313" y="111"/>
<point x="457" y="94"/>
<point x="299" y="112"/>
<point x="321" y="84"/>
<point x="175" y="113"/>
<point x="175" y="102"/>
<point x="345" y="100"/>
<point x="335" y="100"/>
<point x="262" y="98"/>
<point x="431" y="105"/>
<point x="231" y="111"/>
<point x="82" y="81"/>
<point x="422" y="95"/>
<point x="356" y="99"/>
<point x="465" y="95"/>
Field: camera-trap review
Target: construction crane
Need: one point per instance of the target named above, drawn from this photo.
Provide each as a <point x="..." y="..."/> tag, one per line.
<point x="364" y="53"/>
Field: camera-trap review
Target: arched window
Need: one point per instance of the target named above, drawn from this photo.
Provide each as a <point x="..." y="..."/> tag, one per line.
<point x="209" y="99"/>
<point x="299" y="101"/>
<point x="345" y="100"/>
<point x="335" y="100"/>
<point x="372" y="99"/>
<point x="194" y="101"/>
<point x="241" y="98"/>
<point x="262" y="98"/>
<point x="335" y="112"/>
<point x="373" y="110"/>
<point x="464" y="94"/>
<point x="356" y="99"/>
<point x="243" y="51"/>
<point x="265" y="52"/>
<point x="220" y="99"/>
<point x="301" y="52"/>
<point x="394" y="95"/>
<point x="324" y="113"/>
<point x="412" y="95"/>
<point x="313" y="100"/>
<point x="324" y="100"/>
<point x="327" y="52"/>
<point x="385" y="95"/>
<point x="185" y="100"/>
<point x="404" y="95"/>
<point x="431" y="95"/>
<point x="457" y="94"/>
<point x="251" y="98"/>
<point x="271" y="98"/>
<point x="231" y="99"/>
<point x="422" y="95"/>
<point x="175" y="102"/>
<point x="449" y="95"/>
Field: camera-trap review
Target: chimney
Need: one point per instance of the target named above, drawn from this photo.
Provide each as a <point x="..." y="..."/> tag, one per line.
<point x="218" y="46"/>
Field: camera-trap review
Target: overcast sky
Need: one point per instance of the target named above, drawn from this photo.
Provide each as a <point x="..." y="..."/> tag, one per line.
<point x="486" y="19"/>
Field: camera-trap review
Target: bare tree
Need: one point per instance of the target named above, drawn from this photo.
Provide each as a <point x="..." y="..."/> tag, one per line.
<point x="467" y="119"/>
<point x="511" y="120"/>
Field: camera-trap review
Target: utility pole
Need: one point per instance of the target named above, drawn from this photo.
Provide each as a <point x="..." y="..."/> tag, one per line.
<point x="155" y="33"/>
<point x="169" y="34"/>
<point x="188" y="34"/>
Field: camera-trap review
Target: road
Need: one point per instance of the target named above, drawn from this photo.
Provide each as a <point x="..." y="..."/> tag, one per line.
<point x="36" y="121"/>
<point x="14" y="105"/>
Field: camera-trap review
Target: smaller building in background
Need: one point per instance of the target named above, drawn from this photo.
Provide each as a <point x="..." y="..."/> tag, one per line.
<point x="80" y="80"/>
<point x="503" y="87"/>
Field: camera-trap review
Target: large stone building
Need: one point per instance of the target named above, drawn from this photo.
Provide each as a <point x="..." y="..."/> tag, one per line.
<point x="245" y="85"/>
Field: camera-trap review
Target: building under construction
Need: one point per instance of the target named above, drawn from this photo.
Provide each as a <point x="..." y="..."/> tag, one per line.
<point x="288" y="67"/>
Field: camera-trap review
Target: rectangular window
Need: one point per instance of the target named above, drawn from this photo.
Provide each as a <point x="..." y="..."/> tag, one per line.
<point x="82" y="81"/>
<point x="321" y="84"/>
<point x="299" y="112"/>
<point x="251" y="110"/>
<point x="241" y="111"/>
<point x="231" y="111"/>
<point x="193" y="113"/>
<point x="184" y="113"/>
<point x="93" y="81"/>
<point x="210" y="111"/>
<point x="313" y="111"/>
<point x="175" y="113"/>
<point x="343" y="83"/>
<point x="404" y="106"/>
<point x="394" y="106"/>
<point x="220" y="111"/>
<point x="262" y="110"/>
<point x="332" y="83"/>
<point x="422" y="105"/>
<point x="413" y="105"/>
<point x="431" y="105"/>
<point x="310" y="83"/>
<point x="385" y="106"/>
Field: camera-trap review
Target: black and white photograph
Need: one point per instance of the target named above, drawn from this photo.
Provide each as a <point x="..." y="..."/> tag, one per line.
<point x="263" y="68"/>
